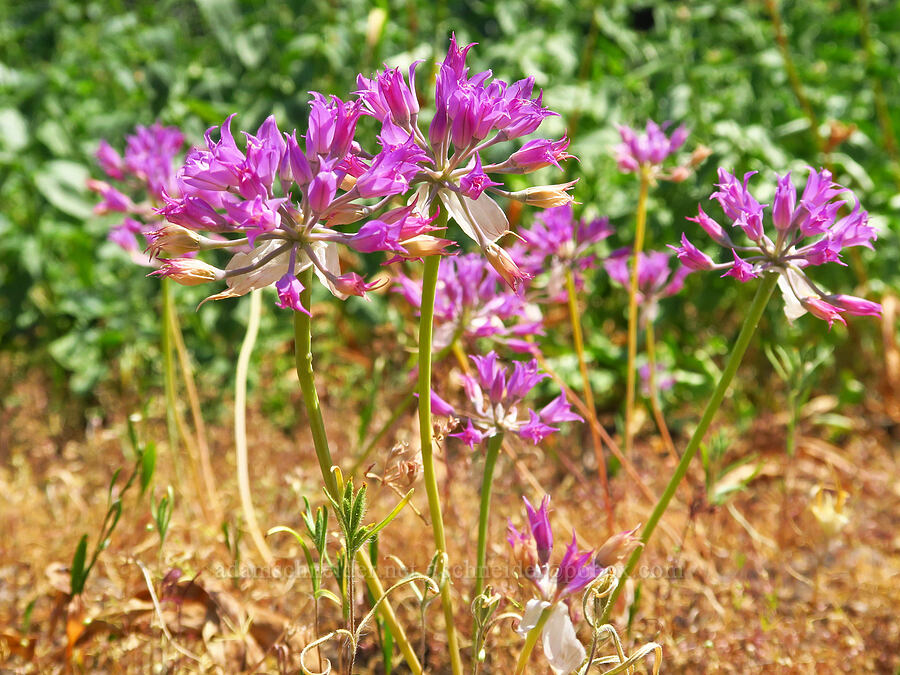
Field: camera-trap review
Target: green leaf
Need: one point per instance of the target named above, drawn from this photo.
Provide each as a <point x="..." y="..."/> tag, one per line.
<point x="13" y="131"/>
<point x="148" y="465"/>
<point x="62" y="183"/>
<point x="77" y="574"/>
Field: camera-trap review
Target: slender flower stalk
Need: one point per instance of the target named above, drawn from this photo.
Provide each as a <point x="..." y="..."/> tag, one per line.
<point x="808" y="233"/>
<point x="202" y="450"/>
<point x="426" y="325"/>
<point x="653" y="393"/>
<point x="631" y="374"/>
<point x="644" y="154"/>
<point x="484" y="511"/>
<point x="169" y="366"/>
<point x="303" y="354"/>
<point x="303" y="358"/>
<point x="754" y="313"/>
<point x="531" y="640"/>
<point x="593" y="422"/>
<point x="240" y="428"/>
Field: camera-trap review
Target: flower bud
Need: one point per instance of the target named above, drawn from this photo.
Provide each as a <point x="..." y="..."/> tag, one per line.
<point x="188" y="271"/>
<point x="691" y="256"/>
<point x="617" y="547"/>
<point x="822" y="310"/>
<point x="425" y="244"/>
<point x="548" y="196"/>
<point x="173" y="239"/>
<point x="504" y="264"/>
<point x="855" y="306"/>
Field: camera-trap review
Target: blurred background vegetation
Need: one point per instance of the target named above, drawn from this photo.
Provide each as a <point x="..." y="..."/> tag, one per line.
<point x="72" y="72"/>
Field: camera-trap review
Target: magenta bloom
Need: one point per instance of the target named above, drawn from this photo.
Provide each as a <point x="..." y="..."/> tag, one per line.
<point x="286" y="199"/>
<point x="656" y="279"/>
<point x="808" y="231"/>
<point x="539" y="521"/>
<point x="556" y="243"/>
<point x="495" y="394"/>
<point x="473" y="113"/>
<point x="576" y="569"/>
<point x="144" y="174"/>
<point x="471" y="302"/>
<point x="649" y="149"/>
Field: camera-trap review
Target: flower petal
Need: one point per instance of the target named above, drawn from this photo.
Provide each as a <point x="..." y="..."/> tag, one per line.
<point x="327" y="253"/>
<point x="561" y="646"/>
<point x="482" y="214"/>
<point x="532" y="614"/>
<point x="793" y="309"/>
<point x="261" y="277"/>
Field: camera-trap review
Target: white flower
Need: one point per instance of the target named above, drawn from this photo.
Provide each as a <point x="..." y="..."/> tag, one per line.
<point x="561" y="646"/>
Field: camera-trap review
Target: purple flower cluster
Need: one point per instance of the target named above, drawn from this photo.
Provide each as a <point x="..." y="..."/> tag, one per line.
<point x="472" y="302"/>
<point x="533" y="548"/>
<point x="495" y="394"/>
<point x="809" y="231"/>
<point x="473" y="113"/>
<point x="277" y="194"/>
<point x="656" y="279"/>
<point x="639" y="151"/>
<point x="144" y="174"/>
<point x="575" y="572"/>
<point x="290" y="201"/>
<point x="557" y="243"/>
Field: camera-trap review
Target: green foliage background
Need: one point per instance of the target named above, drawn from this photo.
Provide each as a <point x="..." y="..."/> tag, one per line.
<point x="72" y="73"/>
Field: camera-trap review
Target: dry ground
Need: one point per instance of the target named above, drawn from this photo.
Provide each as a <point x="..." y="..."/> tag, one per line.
<point x="753" y="586"/>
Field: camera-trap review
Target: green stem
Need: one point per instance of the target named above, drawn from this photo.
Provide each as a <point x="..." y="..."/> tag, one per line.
<point x="484" y="512"/>
<point x="640" y="231"/>
<point x="169" y="366"/>
<point x="578" y="339"/>
<point x="303" y="358"/>
<point x="303" y="354"/>
<point x="754" y="313"/>
<point x="240" y="427"/>
<point x="426" y="321"/>
<point x="531" y="640"/>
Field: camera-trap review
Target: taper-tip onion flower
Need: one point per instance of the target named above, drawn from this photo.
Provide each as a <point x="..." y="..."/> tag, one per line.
<point x="290" y="204"/>
<point x="656" y="279"/>
<point x="532" y="549"/>
<point x="472" y="302"/>
<point x="808" y="232"/>
<point x="495" y="394"/>
<point x="556" y="243"/>
<point x="648" y="150"/>
<point x="473" y="113"/>
<point x="143" y="174"/>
